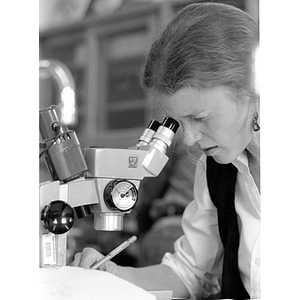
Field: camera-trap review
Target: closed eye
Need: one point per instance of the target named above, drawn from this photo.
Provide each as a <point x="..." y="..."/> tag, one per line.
<point x="200" y="119"/>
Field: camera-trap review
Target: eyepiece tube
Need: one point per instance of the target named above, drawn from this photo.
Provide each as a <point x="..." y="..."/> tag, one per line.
<point x="153" y="125"/>
<point x="171" y="124"/>
<point x="148" y="133"/>
<point x="165" y="133"/>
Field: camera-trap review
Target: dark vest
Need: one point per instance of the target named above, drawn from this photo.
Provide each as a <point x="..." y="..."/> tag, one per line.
<point x="221" y="180"/>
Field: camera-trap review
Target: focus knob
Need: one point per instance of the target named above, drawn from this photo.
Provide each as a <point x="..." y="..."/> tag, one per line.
<point x="58" y="217"/>
<point x="120" y="195"/>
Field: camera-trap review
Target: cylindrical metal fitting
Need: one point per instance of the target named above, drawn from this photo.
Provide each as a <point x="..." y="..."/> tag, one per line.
<point x="108" y="221"/>
<point x="49" y="122"/>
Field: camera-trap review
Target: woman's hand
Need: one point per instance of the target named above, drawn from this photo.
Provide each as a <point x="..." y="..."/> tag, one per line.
<point x="158" y="277"/>
<point x="88" y="257"/>
<point x="210" y="283"/>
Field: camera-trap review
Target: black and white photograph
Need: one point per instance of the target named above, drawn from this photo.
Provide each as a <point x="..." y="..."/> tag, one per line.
<point x="153" y="180"/>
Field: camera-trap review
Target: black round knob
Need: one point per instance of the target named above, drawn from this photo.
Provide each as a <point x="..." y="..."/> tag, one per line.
<point x="58" y="217"/>
<point x="170" y="123"/>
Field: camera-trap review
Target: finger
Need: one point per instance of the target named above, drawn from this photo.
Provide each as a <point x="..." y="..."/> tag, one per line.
<point x="210" y="283"/>
<point x="76" y="261"/>
<point x="101" y="267"/>
<point x="111" y="267"/>
<point x="88" y="257"/>
<point x="212" y="279"/>
<point x="215" y="290"/>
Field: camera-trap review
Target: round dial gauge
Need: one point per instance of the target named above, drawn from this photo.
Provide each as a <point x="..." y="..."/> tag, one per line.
<point x="120" y="195"/>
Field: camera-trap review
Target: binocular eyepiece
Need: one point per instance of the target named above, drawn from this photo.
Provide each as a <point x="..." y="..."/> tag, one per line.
<point x="159" y="134"/>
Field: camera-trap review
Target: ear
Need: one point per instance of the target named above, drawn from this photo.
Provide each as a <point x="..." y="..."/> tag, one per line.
<point x="257" y="103"/>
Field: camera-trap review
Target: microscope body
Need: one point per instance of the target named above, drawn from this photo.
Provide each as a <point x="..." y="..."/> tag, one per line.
<point x="102" y="181"/>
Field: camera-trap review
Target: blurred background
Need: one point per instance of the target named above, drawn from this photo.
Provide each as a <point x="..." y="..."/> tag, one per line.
<point x="103" y="43"/>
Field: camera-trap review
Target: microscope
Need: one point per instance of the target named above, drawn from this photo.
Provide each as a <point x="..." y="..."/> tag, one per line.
<point x="100" y="181"/>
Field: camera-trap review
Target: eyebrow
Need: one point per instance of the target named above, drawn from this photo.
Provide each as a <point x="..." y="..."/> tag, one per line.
<point x="194" y="115"/>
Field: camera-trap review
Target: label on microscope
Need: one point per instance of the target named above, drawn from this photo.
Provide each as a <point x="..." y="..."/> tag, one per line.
<point x="49" y="254"/>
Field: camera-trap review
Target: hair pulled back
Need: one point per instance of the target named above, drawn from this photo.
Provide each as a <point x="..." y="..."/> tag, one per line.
<point x="206" y="45"/>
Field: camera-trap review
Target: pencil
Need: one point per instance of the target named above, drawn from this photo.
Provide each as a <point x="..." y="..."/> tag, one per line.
<point x="114" y="252"/>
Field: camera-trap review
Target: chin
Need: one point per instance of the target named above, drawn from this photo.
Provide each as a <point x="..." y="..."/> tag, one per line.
<point x="223" y="159"/>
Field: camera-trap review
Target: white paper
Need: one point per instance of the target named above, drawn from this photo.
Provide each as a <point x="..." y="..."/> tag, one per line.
<point x="162" y="295"/>
<point x="72" y="283"/>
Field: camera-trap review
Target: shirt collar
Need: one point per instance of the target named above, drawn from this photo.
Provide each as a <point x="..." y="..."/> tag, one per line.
<point x="241" y="161"/>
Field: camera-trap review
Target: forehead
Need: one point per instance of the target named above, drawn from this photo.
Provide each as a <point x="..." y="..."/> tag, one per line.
<point x="191" y="101"/>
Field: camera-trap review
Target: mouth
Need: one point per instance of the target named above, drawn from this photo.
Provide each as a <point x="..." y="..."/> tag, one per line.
<point x="209" y="150"/>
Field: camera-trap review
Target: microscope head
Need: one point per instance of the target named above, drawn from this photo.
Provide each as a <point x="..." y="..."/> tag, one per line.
<point x="117" y="173"/>
<point x="99" y="181"/>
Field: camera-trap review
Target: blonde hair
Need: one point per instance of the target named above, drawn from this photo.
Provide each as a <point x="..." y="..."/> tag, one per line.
<point x="206" y="45"/>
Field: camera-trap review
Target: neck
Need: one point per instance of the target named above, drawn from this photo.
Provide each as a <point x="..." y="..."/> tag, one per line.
<point x="254" y="147"/>
<point x="253" y="151"/>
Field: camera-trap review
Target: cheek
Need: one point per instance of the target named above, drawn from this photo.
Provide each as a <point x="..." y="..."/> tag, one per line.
<point x="228" y="131"/>
<point x="220" y="129"/>
<point x="239" y="134"/>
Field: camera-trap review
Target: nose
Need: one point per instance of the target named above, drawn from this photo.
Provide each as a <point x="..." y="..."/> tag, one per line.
<point x="191" y="136"/>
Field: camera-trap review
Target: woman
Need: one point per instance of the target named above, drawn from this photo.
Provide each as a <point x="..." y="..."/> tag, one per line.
<point x="200" y="71"/>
